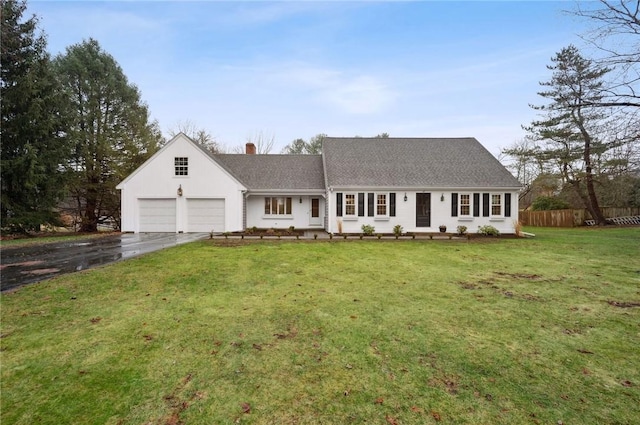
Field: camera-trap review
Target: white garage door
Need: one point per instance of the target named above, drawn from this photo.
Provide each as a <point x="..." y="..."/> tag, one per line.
<point x="205" y="215"/>
<point x="157" y="215"/>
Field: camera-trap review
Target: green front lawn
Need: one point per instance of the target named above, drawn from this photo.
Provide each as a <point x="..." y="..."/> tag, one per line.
<point x="513" y="331"/>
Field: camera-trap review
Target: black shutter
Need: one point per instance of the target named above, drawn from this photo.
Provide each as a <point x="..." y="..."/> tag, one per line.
<point x="392" y="204"/>
<point x="485" y="205"/>
<point x="339" y="204"/>
<point x="476" y="205"/>
<point x="371" y="204"/>
<point x="454" y="205"/>
<point x="360" y="204"/>
<point x="507" y="205"/>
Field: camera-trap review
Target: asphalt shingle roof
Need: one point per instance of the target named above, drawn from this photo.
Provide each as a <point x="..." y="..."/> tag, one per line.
<point x="275" y="172"/>
<point x="412" y="162"/>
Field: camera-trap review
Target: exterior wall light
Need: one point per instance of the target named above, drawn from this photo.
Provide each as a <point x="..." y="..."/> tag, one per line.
<point x="442" y="198"/>
<point x="405" y="197"/>
<point x="180" y="190"/>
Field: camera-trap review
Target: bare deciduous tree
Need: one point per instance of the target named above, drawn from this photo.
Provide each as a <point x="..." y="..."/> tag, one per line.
<point x="197" y="134"/>
<point x="616" y="34"/>
<point x="522" y="158"/>
<point x="263" y="142"/>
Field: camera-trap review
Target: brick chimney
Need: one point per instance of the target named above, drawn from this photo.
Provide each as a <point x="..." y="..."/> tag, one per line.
<point x="251" y="149"/>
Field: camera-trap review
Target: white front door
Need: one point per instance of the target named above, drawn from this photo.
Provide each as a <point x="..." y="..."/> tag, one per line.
<point x="314" y="212"/>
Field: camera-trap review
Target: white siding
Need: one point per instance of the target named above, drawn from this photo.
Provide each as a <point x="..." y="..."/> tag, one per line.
<point x="406" y="213"/>
<point x="155" y="179"/>
<point x="300" y="216"/>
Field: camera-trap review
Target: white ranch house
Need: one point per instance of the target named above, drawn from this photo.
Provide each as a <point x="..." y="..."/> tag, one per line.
<point x="418" y="183"/>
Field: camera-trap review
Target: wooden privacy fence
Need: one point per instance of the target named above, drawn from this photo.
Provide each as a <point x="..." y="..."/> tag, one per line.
<point x="570" y="218"/>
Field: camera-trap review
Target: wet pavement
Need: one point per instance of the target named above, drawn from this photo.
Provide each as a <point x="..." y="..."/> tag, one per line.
<point x="29" y="264"/>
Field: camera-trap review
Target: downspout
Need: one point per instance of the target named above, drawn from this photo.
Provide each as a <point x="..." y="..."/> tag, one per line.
<point x="327" y="213"/>
<point x="245" y="195"/>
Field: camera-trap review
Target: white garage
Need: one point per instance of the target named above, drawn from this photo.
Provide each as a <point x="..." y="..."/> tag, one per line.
<point x="181" y="188"/>
<point x="157" y="215"/>
<point x="205" y="215"/>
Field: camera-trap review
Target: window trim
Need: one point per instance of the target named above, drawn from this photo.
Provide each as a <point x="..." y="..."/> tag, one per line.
<point x="346" y="205"/>
<point x="468" y="205"/>
<point x="287" y="205"/>
<point x="378" y="204"/>
<point x="181" y="166"/>
<point x="500" y="205"/>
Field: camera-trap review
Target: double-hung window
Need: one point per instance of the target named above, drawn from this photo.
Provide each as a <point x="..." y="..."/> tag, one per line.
<point x="277" y="206"/>
<point x="465" y="204"/>
<point x="381" y="204"/>
<point x="496" y="204"/>
<point x="350" y="204"/>
<point x="181" y="166"/>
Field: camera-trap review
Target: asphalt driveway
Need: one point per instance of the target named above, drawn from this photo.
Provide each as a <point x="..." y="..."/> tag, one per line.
<point x="28" y="264"/>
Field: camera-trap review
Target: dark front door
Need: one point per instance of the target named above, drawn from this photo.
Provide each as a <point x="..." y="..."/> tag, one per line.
<point x="314" y="217"/>
<point x="423" y="210"/>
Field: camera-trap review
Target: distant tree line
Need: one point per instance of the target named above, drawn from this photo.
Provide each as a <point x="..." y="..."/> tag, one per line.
<point x="585" y="147"/>
<point x="314" y="145"/>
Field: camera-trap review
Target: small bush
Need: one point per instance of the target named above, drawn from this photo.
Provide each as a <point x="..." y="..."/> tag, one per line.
<point x="462" y="230"/>
<point x="292" y="229"/>
<point x="488" y="231"/>
<point x="397" y="230"/>
<point x="368" y="230"/>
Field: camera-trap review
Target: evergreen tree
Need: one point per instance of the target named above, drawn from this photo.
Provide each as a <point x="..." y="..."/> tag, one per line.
<point x="300" y="146"/>
<point x="34" y="147"/>
<point x="572" y="130"/>
<point x="109" y="130"/>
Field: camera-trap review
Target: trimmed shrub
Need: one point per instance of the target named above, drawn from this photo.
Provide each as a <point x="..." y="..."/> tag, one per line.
<point x="488" y="231"/>
<point x="368" y="230"/>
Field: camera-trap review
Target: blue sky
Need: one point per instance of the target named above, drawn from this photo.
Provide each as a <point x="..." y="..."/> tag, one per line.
<point x="295" y="69"/>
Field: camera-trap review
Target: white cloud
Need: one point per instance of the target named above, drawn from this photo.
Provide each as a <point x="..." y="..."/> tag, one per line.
<point x="360" y="95"/>
<point x="352" y="92"/>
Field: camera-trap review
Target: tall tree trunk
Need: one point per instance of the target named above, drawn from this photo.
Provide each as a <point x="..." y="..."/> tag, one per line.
<point x="595" y="210"/>
<point x="594" y="207"/>
<point x="584" y="197"/>
<point x="90" y="219"/>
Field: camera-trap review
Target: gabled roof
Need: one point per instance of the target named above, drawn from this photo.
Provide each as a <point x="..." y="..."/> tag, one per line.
<point x="412" y="163"/>
<point x="275" y="172"/>
<point x="176" y="139"/>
